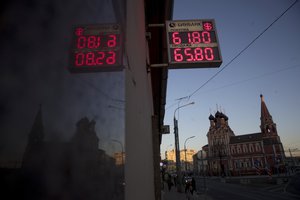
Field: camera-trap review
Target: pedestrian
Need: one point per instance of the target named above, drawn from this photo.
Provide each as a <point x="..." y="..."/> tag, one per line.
<point x="193" y="185"/>
<point x="188" y="190"/>
<point x="175" y="180"/>
<point x="169" y="182"/>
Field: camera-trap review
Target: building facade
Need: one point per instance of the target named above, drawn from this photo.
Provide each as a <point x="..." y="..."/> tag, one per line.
<point x="249" y="154"/>
<point x="186" y="159"/>
<point x="200" y="162"/>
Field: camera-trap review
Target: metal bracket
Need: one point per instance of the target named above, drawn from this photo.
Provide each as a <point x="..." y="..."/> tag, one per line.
<point x="156" y="25"/>
<point x="156" y="66"/>
<point x="160" y="65"/>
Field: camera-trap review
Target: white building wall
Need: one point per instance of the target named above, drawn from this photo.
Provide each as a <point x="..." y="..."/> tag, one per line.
<point x="139" y="170"/>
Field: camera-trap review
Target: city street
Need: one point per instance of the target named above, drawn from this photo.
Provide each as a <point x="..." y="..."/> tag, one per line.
<point x="217" y="189"/>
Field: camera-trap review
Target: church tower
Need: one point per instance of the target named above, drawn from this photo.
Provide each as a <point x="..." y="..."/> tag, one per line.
<point x="32" y="156"/>
<point x="273" y="149"/>
<point x="267" y="126"/>
<point x="218" y="143"/>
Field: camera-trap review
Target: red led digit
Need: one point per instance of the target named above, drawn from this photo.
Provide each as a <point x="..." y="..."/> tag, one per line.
<point x="93" y="42"/>
<point x="188" y="54"/>
<point x="113" y="41"/>
<point x="79" y="59"/>
<point x="189" y="38"/>
<point x="177" y="55"/>
<point x="206" y="37"/>
<point x="198" y="54"/>
<point x="81" y="42"/>
<point x="100" y="57"/>
<point x="196" y="37"/>
<point x="112" y="58"/>
<point x="209" y="54"/>
<point x="90" y="59"/>
<point x="175" y="38"/>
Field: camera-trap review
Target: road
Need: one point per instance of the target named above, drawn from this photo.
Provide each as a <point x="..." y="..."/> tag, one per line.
<point x="217" y="189"/>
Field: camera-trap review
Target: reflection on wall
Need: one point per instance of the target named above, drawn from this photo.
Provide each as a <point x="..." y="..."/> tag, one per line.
<point x="67" y="170"/>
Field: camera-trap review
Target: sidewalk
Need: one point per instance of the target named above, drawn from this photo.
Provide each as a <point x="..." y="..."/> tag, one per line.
<point x="174" y="195"/>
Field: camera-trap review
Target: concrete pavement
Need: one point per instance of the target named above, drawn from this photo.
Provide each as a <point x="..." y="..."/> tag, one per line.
<point x="174" y="195"/>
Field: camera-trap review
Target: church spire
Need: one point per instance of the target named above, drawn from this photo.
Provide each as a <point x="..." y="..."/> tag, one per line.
<point x="37" y="131"/>
<point x="267" y="125"/>
<point x="265" y="115"/>
<point x="35" y="142"/>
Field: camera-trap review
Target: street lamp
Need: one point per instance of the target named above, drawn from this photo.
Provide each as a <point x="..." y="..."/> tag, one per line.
<point x="177" y="149"/>
<point x="185" y="151"/>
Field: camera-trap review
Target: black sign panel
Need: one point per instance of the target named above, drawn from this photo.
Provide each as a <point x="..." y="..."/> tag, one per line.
<point x="193" y="44"/>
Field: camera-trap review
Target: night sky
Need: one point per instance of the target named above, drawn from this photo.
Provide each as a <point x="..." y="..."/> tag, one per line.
<point x="35" y="39"/>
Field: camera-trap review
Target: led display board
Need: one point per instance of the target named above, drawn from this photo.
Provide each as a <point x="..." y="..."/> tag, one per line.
<point x="193" y="44"/>
<point x="96" y="48"/>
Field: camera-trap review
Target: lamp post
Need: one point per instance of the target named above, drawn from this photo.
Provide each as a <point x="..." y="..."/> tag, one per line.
<point x="185" y="151"/>
<point x="177" y="149"/>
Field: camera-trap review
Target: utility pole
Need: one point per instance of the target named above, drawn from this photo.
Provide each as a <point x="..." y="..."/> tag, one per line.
<point x="178" y="165"/>
<point x="177" y="149"/>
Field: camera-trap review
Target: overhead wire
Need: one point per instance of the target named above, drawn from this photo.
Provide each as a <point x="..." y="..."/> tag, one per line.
<point x="242" y="81"/>
<point x="243" y="50"/>
<point x="256" y="77"/>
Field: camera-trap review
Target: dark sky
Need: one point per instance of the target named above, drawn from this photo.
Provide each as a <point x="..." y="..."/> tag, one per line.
<point x="35" y="38"/>
<point x="271" y="66"/>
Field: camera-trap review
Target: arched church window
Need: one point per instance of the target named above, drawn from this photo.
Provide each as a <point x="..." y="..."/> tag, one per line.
<point x="245" y="149"/>
<point x="257" y="147"/>
<point x="251" y="148"/>
<point x="238" y="149"/>
<point x="232" y="150"/>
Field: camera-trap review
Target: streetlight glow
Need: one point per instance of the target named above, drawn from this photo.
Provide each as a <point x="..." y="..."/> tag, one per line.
<point x="185" y="150"/>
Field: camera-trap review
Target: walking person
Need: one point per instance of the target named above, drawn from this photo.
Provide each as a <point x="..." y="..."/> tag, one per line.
<point x="193" y="185"/>
<point x="188" y="190"/>
<point x="169" y="182"/>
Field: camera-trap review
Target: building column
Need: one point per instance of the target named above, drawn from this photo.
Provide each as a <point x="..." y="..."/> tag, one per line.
<point x="139" y="168"/>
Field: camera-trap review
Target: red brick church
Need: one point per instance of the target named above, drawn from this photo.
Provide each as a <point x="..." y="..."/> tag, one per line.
<point x="249" y="154"/>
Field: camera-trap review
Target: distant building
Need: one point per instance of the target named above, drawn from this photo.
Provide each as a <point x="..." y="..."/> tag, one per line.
<point x="185" y="157"/>
<point x="120" y="158"/>
<point x="255" y="153"/>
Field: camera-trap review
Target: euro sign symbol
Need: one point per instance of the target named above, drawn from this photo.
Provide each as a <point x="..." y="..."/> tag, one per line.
<point x="207" y="26"/>
<point x="79" y="31"/>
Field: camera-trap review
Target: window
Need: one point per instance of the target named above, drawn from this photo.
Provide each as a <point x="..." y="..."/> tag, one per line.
<point x="257" y="147"/>
<point x="238" y="149"/>
<point x="245" y="149"/>
<point x="232" y="150"/>
<point x="251" y="148"/>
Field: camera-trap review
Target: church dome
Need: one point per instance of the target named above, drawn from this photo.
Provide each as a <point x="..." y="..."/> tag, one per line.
<point x="218" y="114"/>
<point x="211" y="117"/>
<point x="225" y="117"/>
